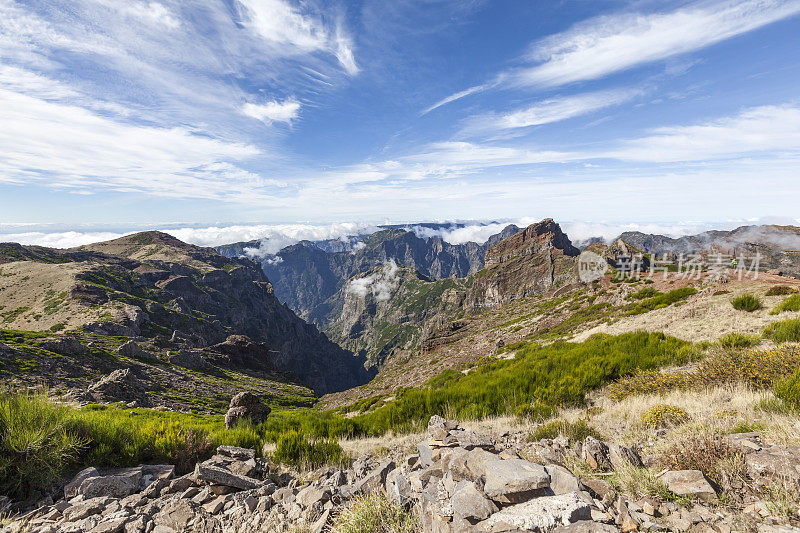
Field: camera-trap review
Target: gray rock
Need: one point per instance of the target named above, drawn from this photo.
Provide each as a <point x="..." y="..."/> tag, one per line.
<point x="514" y="480"/>
<point x="65" y="346"/>
<point x="190" y="360"/>
<point x="119" y="386"/>
<point x="71" y="488"/>
<point x="471" y="465"/>
<point x="561" y="480"/>
<point x="595" y="453"/>
<point x="781" y="462"/>
<point x="221" y="476"/>
<point x="540" y="515"/>
<point x="622" y="457"/>
<point x="131" y="349"/>
<point x="115" y="486"/>
<point x="373" y="482"/>
<point x="689" y="483"/>
<point x="468" y="502"/>
<point x="311" y="495"/>
<point x="234" y="452"/>
<point x="84" y="509"/>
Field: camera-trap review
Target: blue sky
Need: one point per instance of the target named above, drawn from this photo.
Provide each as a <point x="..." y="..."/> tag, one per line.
<point x="152" y="112"/>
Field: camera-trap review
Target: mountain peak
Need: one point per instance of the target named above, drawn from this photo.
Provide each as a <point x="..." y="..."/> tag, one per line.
<point x="530" y="240"/>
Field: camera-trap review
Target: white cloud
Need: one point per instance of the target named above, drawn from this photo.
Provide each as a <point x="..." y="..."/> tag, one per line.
<point x="548" y="111"/>
<point x="381" y="284"/>
<point x="453" y="97"/>
<point x="601" y="46"/>
<point x="772" y="129"/>
<point x="279" y="22"/>
<point x="609" y="44"/>
<point x="273" y="111"/>
<point x="71" y="147"/>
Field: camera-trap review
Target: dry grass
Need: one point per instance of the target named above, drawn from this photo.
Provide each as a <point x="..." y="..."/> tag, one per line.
<point x="723" y="407"/>
<point x="705" y="316"/>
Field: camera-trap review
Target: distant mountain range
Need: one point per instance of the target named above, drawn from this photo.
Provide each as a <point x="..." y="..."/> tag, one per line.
<point x="314" y="278"/>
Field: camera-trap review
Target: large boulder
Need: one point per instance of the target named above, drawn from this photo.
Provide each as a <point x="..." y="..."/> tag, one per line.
<point x="246" y="405"/>
<point x="132" y="349"/>
<point x="514" y="480"/>
<point x="119" y="386"/>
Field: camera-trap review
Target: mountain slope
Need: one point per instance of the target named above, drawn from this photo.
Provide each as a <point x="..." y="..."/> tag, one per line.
<point x="152" y="285"/>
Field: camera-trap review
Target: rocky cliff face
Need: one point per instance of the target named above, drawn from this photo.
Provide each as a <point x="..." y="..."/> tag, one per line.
<point x="396" y="309"/>
<point x="307" y="274"/>
<point x="531" y="262"/>
<point x="153" y="285"/>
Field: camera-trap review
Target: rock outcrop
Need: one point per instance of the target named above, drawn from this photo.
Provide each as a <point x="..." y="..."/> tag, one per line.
<point x="246" y="405"/>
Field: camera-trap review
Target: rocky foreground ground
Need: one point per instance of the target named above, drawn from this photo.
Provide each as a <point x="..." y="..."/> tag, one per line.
<point x="460" y="481"/>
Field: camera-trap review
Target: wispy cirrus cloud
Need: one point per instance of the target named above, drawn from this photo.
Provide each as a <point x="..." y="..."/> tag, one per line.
<point x="772" y="130"/>
<point x="548" y="111"/>
<point x="281" y="23"/>
<point x="608" y="44"/>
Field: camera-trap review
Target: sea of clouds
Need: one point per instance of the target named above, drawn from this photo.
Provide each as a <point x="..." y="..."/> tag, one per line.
<point x="274" y="237"/>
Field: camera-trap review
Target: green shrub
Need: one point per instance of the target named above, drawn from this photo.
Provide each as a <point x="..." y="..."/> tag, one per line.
<point x="37" y="443"/>
<point x="747" y="302"/>
<point x="781" y="290"/>
<point x="577" y="431"/>
<point x="555" y="374"/>
<point x="663" y="415"/>
<point x="792" y="303"/>
<point x="785" y="331"/>
<point x="374" y="513"/>
<point x="788" y="389"/>
<point x="660" y="300"/>
<point x="738" y="340"/>
<point x="647" y="292"/>
<point x="295" y="449"/>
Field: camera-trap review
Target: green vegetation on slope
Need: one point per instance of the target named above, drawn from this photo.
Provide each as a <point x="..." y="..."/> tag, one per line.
<point x="792" y="303"/>
<point x="785" y="331"/>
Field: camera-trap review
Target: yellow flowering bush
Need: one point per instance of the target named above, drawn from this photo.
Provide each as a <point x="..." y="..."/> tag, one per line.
<point x="758" y="367"/>
<point x="663" y="415"/>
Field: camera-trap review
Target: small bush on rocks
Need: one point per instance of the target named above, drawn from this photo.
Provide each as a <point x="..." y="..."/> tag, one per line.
<point x="663" y="415"/>
<point x="37" y="443"/>
<point x="376" y="514"/>
<point x="747" y="302"/>
<point x="708" y="452"/>
<point x="758" y="367"/>
<point x="573" y="431"/>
